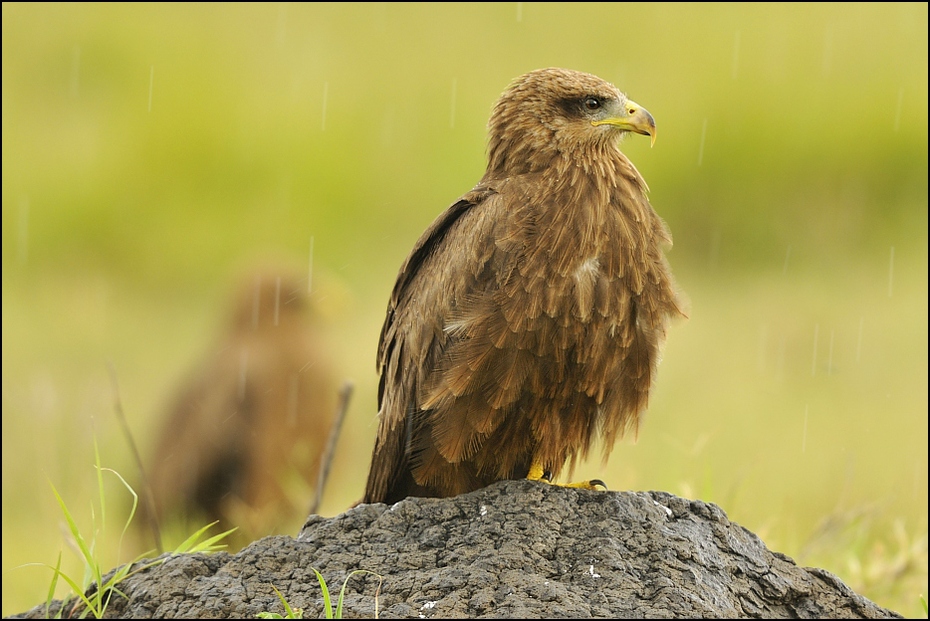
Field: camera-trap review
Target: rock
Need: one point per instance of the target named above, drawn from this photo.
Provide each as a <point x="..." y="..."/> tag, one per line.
<point x="516" y="549"/>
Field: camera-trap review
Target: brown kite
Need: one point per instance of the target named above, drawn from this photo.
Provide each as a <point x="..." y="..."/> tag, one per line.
<point x="528" y="319"/>
<point x="253" y="418"/>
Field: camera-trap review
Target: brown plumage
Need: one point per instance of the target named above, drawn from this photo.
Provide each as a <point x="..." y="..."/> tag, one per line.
<point x="253" y="418"/>
<point x="527" y="321"/>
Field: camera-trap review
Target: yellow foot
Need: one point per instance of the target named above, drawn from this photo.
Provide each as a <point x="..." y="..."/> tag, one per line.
<point x="537" y="473"/>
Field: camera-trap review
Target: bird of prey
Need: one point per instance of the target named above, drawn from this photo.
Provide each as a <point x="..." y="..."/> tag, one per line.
<point x="527" y="321"/>
<point x="252" y="420"/>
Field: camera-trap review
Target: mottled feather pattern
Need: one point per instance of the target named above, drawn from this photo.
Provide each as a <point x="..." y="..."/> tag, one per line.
<point x="527" y="320"/>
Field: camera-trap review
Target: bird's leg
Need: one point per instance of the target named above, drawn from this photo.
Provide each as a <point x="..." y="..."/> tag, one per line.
<point x="538" y="473"/>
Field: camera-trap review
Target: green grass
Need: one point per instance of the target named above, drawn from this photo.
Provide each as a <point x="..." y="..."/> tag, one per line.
<point x="289" y="613"/>
<point x="327" y="600"/>
<point x="328" y="611"/>
<point x="91" y="594"/>
<point x="791" y="160"/>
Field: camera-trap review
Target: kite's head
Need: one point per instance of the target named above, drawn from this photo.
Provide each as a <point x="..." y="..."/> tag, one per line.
<point x="554" y="111"/>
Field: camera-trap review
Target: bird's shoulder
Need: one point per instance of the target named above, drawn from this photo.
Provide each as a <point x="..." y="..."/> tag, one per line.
<point x="446" y="257"/>
<point x="444" y="236"/>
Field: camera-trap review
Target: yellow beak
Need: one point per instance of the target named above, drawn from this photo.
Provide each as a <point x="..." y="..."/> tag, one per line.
<point x="633" y="118"/>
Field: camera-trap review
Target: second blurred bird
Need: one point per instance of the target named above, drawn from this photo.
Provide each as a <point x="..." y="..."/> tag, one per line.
<point x="242" y="441"/>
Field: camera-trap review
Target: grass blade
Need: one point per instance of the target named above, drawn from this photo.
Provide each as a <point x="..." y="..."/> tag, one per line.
<point x="191" y="545"/>
<point x="327" y="602"/>
<point x="345" y="583"/>
<point x="53" y="585"/>
<point x="132" y="512"/>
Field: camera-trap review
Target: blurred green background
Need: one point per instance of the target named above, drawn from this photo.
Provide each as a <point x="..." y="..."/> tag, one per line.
<point x="153" y="152"/>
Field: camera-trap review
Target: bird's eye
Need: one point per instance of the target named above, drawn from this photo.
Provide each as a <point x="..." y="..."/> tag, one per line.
<point x="592" y="103"/>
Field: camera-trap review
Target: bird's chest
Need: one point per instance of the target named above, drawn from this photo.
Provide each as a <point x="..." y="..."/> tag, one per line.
<point x="556" y="279"/>
<point x="564" y="304"/>
<point x="576" y="271"/>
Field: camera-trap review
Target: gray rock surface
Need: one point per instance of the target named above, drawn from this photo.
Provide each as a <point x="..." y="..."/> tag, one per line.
<point x="515" y="549"/>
